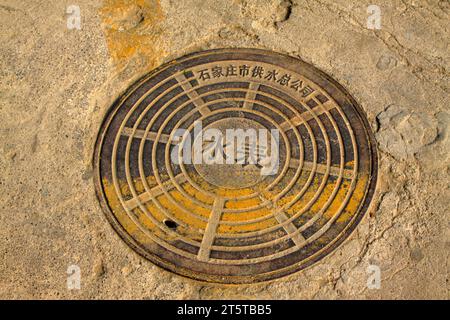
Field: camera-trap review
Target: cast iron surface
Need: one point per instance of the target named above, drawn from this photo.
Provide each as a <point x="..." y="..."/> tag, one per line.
<point x="227" y="223"/>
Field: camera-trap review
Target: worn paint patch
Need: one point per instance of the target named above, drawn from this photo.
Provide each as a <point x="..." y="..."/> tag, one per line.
<point x="181" y="211"/>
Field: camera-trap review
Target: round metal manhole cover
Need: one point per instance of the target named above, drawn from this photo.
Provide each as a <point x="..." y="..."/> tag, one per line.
<point x="235" y="165"/>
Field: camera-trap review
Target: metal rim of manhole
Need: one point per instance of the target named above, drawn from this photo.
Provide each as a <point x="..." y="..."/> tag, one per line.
<point x="227" y="222"/>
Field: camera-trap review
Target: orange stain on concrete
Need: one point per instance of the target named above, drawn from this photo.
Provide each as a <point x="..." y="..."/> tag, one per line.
<point x="132" y="30"/>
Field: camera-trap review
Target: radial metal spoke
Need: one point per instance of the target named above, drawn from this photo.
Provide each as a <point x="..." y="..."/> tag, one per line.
<point x="307" y="116"/>
<point x="290" y="228"/>
<point x="154" y="192"/>
<point x="250" y="95"/>
<point x="211" y="230"/>
<point x="139" y="134"/>
<point x="193" y="95"/>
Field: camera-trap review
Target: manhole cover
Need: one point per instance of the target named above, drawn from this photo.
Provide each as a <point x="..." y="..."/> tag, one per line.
<point x="235" y="165"/>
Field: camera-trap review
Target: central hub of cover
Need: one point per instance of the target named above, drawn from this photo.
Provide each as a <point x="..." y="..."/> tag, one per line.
<point x="245" y="168"/>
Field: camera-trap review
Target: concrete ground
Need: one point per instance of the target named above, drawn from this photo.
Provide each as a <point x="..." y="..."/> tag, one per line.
<point x="57" y="83"/>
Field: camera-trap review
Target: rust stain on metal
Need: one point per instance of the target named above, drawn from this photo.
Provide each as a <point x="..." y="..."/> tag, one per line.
<point x="225" y="222"/>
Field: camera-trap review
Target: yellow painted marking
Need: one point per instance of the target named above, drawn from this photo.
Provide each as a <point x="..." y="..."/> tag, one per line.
<point x="353" y="204"/>
<point x="290" y="228"/>
<point x="154" y="192"/>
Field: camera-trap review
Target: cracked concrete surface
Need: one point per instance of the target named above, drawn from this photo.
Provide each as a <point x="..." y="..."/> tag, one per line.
<point x="56" y="85"/>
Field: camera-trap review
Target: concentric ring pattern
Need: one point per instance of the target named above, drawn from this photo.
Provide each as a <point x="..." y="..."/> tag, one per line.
<point x="226" y="222"/>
